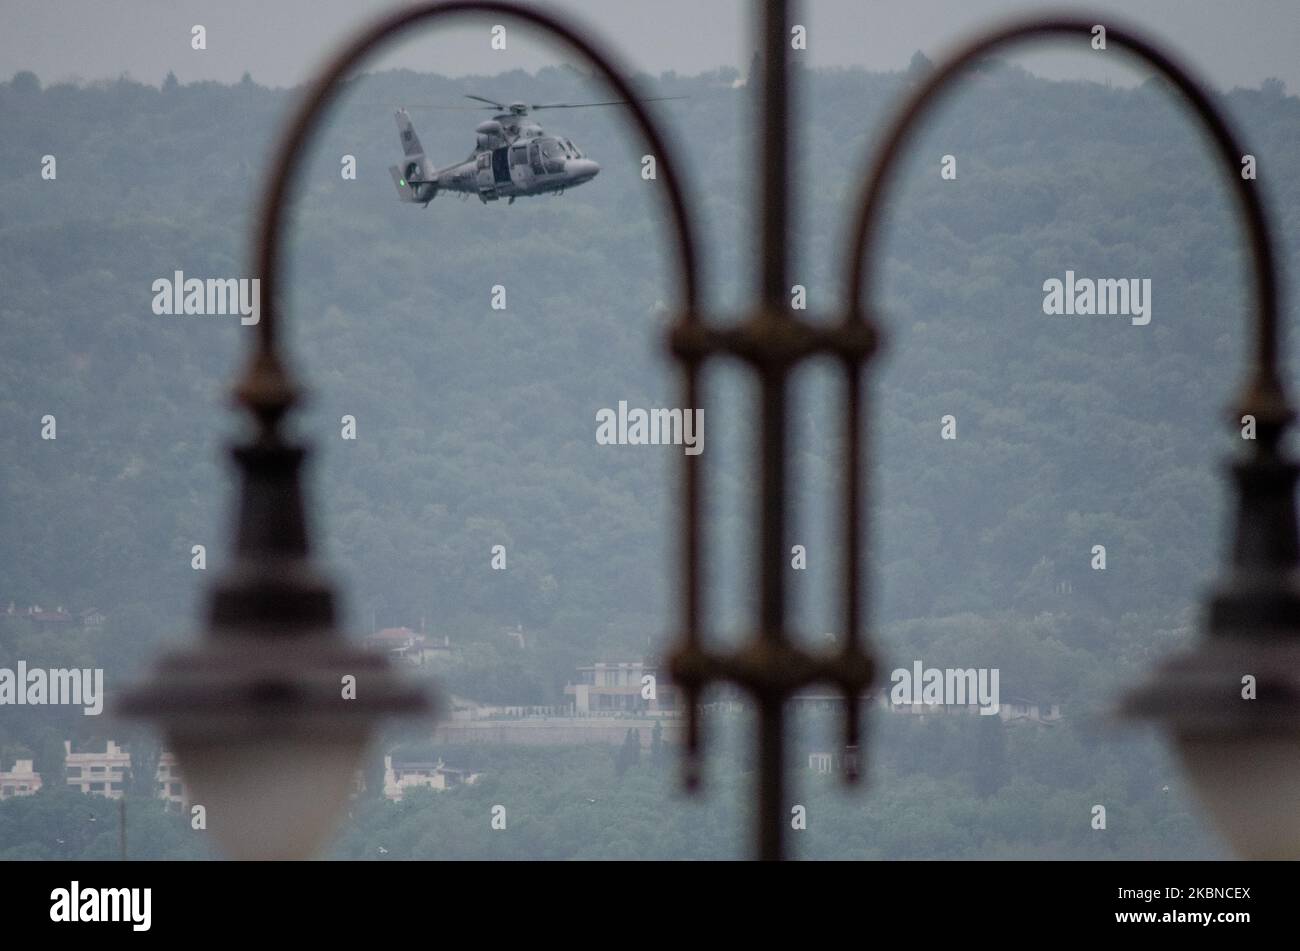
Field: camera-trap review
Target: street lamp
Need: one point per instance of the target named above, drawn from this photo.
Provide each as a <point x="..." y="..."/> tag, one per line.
<point x="269" y="717"/>
<point x="1232" y="704"/>
<point x="271" y="714"/>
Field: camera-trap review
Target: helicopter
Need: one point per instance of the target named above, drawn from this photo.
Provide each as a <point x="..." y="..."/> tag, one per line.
<point x="512" y="157"/>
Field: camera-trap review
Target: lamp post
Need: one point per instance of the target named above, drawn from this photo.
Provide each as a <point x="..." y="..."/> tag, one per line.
<point x="771" y="341"/>
<point x="1232" y="704"/>
<point x="271" y="714"/>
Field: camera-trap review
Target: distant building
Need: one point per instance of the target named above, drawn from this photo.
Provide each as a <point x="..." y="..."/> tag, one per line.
<point x="1021" y="709"/>
<point x="22" y="780"/>
<point x="56" y="618"/>
<point x="92" y="619"/>
<point x="620" y="687"/>
<point x="827" y="762"/>
<point x="392" y="640"/>
<point x="402" y="775"/>
<point x="824" y="762"/>
<point x="105" y="774"/>
<point x="170" y="786"/>
<point x="404" y="644"/>
<point x="98" y="773"/>
<point x="430" y="650"/>
<point x="463" y="708"/>
<point x="95" y="773"/>
<point x="1010" y="711"/>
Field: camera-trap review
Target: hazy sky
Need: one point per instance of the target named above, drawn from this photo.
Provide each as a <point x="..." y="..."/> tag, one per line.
<point x="1234" y="42"/>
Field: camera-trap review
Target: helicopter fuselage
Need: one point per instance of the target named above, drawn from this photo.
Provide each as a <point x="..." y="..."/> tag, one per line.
<point x="513" y="157"/>
<point x="535" y="167"/>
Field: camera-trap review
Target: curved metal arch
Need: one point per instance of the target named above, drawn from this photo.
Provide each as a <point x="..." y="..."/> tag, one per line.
<point x="1264" y="395"/>
<point x="266" y="388"/>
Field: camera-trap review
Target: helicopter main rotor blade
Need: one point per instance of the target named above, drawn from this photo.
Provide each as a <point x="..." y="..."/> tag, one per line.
<point x="609" y="102"/>
<point x="421" y="105"/>
<point x="501" y="107"/>
<point x="491" y="102"/>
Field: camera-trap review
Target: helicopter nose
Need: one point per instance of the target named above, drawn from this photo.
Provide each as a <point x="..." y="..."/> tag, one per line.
<point x="584" y="169"/>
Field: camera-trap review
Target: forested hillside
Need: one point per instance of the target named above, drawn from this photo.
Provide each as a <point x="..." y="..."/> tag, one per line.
<point x="476" y="427"/>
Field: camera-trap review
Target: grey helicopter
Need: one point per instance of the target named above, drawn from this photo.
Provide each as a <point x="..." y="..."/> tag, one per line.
<point x="513" y="156"/>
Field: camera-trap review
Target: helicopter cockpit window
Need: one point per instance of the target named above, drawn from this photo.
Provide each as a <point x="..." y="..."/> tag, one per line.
<point x="553" y="155"/>
<point x="574" y="151"/>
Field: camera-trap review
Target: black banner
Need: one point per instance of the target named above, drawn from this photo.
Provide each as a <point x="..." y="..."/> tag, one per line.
<point x="915" y="902"/>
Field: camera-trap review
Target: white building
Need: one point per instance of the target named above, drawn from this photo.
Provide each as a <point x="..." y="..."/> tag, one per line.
<point x="170" y="786"/>
<point x="613" y="687"/>
<point x="95" y="773"/>
<point x="105" y="774"/>
<point x="422" y="774"/>
<point x="22" y="780"/>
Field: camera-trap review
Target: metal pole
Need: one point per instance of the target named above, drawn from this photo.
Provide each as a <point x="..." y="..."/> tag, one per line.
<point x="772" y="107"/>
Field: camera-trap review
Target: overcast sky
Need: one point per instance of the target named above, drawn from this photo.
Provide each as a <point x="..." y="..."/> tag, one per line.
<point x="1233" y="42"/>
